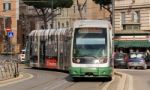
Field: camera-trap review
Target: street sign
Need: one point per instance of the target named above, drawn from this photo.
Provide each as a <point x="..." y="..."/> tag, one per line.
<point x="10" y="34"/>
<point x="8" y="30"/>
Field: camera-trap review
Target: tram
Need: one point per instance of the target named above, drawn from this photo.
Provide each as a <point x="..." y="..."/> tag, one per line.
<point x="84" y="50"/>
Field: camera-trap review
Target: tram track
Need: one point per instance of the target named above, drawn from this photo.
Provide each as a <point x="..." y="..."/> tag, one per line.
<point x="47" y="84"/>
<point x="66" y="83"/>
<point x="63" y="84"/>
<point x="86" y="86"/>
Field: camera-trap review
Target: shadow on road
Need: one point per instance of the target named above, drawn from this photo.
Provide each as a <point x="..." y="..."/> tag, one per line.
<point x="84" y="79"/>
<point x="70" y="79"/>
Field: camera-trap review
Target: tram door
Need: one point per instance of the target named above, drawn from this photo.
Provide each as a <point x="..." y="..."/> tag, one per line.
<point x="42" y="53"/>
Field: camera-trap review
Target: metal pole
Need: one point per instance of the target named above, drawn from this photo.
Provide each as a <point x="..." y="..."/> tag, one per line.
<point x="4" y="23"/>
<point x="38" y="49"/>
<point x="113" y="28"/>
<point x="11" y="46"/>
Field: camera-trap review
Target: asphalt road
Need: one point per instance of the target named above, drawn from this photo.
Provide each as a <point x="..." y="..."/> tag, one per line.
<point x="55" y="80"/>
<point x="141" y="78"/>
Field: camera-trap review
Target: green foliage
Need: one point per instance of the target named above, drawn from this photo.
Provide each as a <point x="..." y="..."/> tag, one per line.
<point x="47" y="9"/>
<point x="106" y="4"/>
<point x="103" y="2"/>
<point x="49" y="3"/>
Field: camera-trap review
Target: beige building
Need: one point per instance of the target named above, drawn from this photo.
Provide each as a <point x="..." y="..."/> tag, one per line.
<point x="132" y="24"/>
<point x="90" y="11"/>
<point x="27" y="23"/>
<point x="68" y="15"/>
<point x="23" y="19"/>
<point x="9" y="14"/>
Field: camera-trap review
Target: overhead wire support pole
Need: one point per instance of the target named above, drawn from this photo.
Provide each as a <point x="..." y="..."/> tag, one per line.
<point x="113" y="29"/>
<point x="38" y="35"/>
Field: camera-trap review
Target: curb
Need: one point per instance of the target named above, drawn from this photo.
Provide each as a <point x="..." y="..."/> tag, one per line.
<point x="122" y="81"/>
<point x="20" y="78"/>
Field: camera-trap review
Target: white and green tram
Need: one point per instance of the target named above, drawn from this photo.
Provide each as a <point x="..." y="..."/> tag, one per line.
<point x="85" y="50"/>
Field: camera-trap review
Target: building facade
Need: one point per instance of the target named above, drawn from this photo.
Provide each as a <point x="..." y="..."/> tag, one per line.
<point x="9" y="15"/>
<point x="30" y="21"/>
<point x="69" y="15"/>
<point x="89" y="11"/>
<point x="132" y="24"/>
<point x="27" y="22"/>
<point x="22" y="19"/>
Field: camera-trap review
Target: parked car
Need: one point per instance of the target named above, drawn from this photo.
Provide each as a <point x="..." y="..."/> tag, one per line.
<point x="120" y="60"/>
<point x="137" y="60"/>
<point x="21" y="56"/>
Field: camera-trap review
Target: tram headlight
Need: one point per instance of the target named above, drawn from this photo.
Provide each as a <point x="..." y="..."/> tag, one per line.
<point x="103" y="60"/>
<point x="75" y="60"/>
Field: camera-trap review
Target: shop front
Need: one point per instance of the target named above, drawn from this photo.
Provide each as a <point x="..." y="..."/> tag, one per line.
<point x="135" y="43"/>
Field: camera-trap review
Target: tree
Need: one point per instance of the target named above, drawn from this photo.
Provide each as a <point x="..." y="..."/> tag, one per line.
<point x="81" y="7"/>
<point x="48" y="9"/>
<point x="106" y="4"/>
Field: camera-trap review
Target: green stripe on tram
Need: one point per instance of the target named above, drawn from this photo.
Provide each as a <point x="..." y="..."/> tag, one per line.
<point x="96" y="71"/>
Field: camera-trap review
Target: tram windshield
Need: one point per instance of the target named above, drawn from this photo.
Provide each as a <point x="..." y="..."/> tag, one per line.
<point x="90" y="42"/>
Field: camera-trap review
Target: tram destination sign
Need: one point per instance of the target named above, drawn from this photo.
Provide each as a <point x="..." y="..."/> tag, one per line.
<point x="91" y="30"/>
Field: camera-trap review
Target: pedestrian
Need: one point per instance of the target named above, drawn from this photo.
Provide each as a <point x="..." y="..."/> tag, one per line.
<point x="131" y="50"/>
<point x="147" y="55"/>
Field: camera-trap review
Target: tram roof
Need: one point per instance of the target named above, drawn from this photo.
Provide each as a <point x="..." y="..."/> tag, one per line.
<point x="48" y="32"/>
<point x="91" y="23"/>
<point x="36" y="32"/>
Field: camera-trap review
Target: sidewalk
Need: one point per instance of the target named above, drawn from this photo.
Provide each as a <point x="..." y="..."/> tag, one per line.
<point x="22" y="77"/>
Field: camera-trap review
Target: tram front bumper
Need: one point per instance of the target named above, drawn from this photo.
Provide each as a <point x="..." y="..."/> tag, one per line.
<point x="90" y="71"/>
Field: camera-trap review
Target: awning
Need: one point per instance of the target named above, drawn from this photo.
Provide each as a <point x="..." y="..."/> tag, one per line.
<point x="132" y="43"/>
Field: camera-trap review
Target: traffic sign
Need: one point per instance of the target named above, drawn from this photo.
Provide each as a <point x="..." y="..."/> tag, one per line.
<point x="8" y="30"/>
<point x="10" y="34"/>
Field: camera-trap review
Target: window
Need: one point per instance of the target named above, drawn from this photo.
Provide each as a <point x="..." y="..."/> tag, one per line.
<point x="131" y="27"/>
<point x="85" y="8"/>
<point x="67" y="24"/>
<point x="58" y="24"/>
<point x="122" y="17"/>
<point x="7" y="22"/>
<point x="63" y="25"/>
<point x="74" y="9"/>
<point x="136" y="16"/>
<point x="6" y="6"/>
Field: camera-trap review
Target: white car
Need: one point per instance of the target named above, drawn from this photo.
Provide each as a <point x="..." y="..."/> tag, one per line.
<point x="21" y="56"/>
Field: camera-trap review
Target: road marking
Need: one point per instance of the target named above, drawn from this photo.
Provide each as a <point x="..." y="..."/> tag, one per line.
<point x="15" y="80"/>
<point x="55" y="85"/>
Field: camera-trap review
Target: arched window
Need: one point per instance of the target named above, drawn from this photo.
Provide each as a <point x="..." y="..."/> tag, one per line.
<point x="67" y="23"/>
<point x="62" y="25"/>
<point x="58" y="24"/>
<point x="136" y="16"/>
